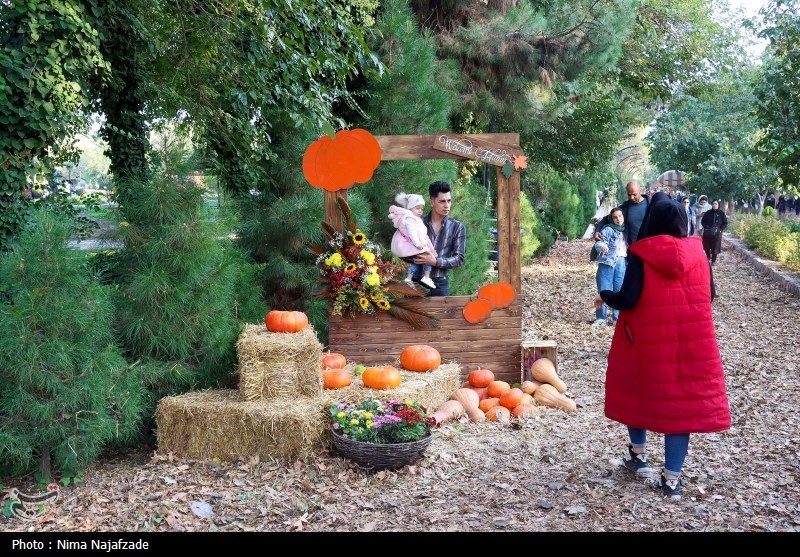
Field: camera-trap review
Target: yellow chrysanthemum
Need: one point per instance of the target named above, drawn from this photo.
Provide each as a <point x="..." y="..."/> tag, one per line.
<point x="368" y="415"/>
<point x="369" y="425"/>
<point x="383" y="304"/>
<point x="350" y="268"/>
<point x="334" y="260"/>
<point x="363" y="302"/>
<point x="368" y="256"/>
<point x="359" y="238"/>
<point x="373" y="280"/>
<point x="354" y="422"/>
<point x="341" y="415"/>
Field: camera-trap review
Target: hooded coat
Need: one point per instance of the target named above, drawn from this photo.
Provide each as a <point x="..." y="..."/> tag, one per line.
<point x="664" y="370"/>
<point x="409" y="227"/>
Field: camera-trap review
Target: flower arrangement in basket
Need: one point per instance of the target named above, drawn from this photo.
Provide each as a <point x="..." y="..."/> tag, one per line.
<point x="381" y="422"/>
<point x="357" y="279"/>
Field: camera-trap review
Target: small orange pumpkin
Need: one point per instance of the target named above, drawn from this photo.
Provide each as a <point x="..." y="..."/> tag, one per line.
<point x="420" y="357"/>
<point x="478" y="310"/>
<point x="381" y="377"/>
<point x="285" y="321"/>
<point x="498" y="294"/>
<point x="511" y="398"/>
<point x="488" y="403"/>
<point x="336" y="378"/>
<point x="333" y="360"/>
<point x="497" y="388"/>
<point x="480" y="377"/>
<point x="522" y="410"/>
<point x="498" y="414"/>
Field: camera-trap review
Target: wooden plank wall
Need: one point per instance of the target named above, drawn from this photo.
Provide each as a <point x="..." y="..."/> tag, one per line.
<point x="493" y="344"/>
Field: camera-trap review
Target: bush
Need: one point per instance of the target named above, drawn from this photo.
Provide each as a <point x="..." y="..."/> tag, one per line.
<point x="770" y="237"/>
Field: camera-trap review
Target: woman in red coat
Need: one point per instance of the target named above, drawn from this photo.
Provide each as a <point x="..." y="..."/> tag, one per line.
<point x="664" y="368"/>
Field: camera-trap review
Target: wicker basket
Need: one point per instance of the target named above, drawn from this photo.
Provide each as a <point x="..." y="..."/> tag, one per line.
<point x="377" y="456"/>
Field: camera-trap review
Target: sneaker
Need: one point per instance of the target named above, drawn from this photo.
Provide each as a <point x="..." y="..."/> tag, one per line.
<point x="428" y="282"/>
<point x="409" y="281"/>
<point x="671" y="488"/>
<point x="636" y="463"/>
<point x="599" y="322"/>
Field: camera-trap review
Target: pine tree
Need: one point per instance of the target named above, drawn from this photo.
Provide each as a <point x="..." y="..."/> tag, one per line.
<point x="67" y="391"/>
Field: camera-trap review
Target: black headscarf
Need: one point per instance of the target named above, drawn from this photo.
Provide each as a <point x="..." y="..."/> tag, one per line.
<point x="664" y="216"/>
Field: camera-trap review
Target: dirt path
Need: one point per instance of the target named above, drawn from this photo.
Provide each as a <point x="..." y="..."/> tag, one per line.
<point x="559" y="472"/>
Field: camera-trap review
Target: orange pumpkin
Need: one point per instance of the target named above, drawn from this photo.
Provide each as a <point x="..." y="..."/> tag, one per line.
<point x="482" y="392"/>
<point x="480" y="377"/>
<point x="286" y="321"/>
<point x="522" y="410"/>
<point x="420" y="357"/>
<point x="478" y="310"/>
<point x="488" y="403"/>
<point x="511" y="398"/>
<point x="497" y="388"/>
<point x="498" y="294"/>
<point x="337" y="163"/>
<point x="336" y="378"/>
<point x="333" y="360"/>
<point x="381" y="377"/>
<point x="498" y="414"/>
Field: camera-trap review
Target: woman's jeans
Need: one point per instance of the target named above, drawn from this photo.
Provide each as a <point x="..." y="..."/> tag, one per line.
<point x="610" y="278"/>
<point x="676" y="445"/>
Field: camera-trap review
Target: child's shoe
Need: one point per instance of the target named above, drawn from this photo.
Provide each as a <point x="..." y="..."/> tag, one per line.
<point x="636" y="463"/>
<point x="428" y="282"/>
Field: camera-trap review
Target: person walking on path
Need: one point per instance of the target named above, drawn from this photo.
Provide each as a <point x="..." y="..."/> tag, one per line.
<point x="633" y="211"/>
<point x="714" y="224"/>
<point x="664" y="370"/>
<point x="700" y="209"/>
<point x="612" y="253"/>
<point x="690" y="216"/>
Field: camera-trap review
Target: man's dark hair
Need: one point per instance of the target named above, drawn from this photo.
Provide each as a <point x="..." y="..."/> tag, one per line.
<point x="438" y="187"/>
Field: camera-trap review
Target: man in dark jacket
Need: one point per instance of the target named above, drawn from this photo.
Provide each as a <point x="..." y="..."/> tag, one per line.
<point x="633" y="210"/>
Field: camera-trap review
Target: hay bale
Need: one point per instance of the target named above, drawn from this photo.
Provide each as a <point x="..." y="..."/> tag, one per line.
<point x="222" y="424"/>
<point x="279" y="365"/>
<point x="429" y="389"/>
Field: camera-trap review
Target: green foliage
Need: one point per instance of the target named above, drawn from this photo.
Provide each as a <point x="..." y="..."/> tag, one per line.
<point x="181" y="285"/>
<point x="558" y="197"/>
<point x="531" y="236"/>
<point x="469" y="206"/>
<point x="67" y="391"/>
<point x="49" y="49"/>
<point x="770" y="237"/>
<point x="769" y="212"/>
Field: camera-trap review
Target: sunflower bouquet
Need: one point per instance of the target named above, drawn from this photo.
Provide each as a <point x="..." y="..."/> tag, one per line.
<point x="357" y="279"/>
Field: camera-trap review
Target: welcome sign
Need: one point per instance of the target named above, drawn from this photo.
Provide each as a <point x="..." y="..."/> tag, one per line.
<point x="470" y="147"/>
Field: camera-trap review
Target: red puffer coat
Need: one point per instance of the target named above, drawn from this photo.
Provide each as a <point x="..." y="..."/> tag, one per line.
<point x="664" y="367"/>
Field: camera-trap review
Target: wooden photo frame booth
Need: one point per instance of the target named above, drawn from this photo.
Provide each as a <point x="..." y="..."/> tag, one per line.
<point x="492" y="344"/>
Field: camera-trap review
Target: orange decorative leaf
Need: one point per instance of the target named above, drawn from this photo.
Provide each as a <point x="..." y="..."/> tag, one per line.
<point x="520" y="162"/>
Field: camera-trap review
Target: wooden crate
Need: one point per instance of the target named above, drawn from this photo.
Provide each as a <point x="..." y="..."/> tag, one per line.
<point x="492" y="344"/>
<point x="532" y="350"/>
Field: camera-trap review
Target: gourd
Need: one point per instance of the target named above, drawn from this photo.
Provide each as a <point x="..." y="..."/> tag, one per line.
<point x="333" y="360"/>
<point x="498" y="414"/>
<point x="511" y="398"/>
<point x="480" y="377"/>
<point x="336" y="378"/>
<point x="285" y="321"/>
<point x="450" y="410"/>
<point x="526" y="399"/>
<point x="488" y="403"/>
<point x="469" y="400"/>
<point x="420" y="357"/>
<point x="381" y="377"/>
<point x="497" y="388"/>
<point x="547" y="395"/>
<point x="476" y="311"/>
<point x="544" y="370"/>
<point x="529" y="387"/>
<point x="498" y="294"/>
<point x="522" y="410"/>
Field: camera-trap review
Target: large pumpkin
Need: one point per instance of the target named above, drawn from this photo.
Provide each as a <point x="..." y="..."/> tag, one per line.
<point x="286" y="321"/>
<point x="333" y="360"/>
<point x="420" y="357"/>
<point x="480" y="377"/>
<point x="337" y="163"/>
<point x="381" y="377"/>
<point x="336" y="378"/>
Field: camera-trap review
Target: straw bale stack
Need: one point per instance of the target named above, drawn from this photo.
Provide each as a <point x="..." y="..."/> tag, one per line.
<point x="223" y="424"/>
<point x="279" y="365"/>
<point x="430" y="389"/>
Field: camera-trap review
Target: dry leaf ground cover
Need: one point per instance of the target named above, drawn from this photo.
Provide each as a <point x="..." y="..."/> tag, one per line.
<point x="558" y="472"/>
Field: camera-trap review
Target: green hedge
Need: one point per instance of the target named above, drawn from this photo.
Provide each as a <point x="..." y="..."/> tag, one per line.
<point x="770" y="237"/>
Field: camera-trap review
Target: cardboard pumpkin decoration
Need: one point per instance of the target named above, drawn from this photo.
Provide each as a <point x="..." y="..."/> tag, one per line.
<point x="337" y="163"/>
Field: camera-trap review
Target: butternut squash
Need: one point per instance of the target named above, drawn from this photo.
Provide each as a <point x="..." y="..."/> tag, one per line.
<point x="547" y="395"/>
<point x="544" y="371"/>
<point x="450" y="410"/>
<point x="469" y="400"/>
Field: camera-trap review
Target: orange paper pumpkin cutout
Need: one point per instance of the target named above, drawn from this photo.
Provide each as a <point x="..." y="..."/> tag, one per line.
<point x="337" y="163"/>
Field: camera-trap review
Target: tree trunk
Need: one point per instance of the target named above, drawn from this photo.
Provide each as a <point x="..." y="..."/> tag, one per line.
<point x="44" y="464"/>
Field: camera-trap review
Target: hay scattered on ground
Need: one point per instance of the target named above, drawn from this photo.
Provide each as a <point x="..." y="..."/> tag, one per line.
<point x="279" y="365"/>
<point x="430" y="389"/>
<point x="222" y="424"/>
